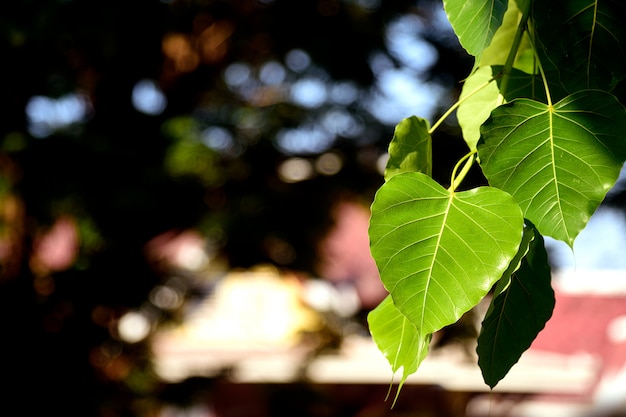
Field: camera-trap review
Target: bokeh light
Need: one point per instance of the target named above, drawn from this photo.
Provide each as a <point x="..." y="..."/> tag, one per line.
<point x="46" y="115"/>
<point x="133" y="327"/>
<point x="295" y="170"/>
<point x="148" y="98"/>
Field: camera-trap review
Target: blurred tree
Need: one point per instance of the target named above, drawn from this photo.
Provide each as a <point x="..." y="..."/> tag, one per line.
<point x="123" y="121"/>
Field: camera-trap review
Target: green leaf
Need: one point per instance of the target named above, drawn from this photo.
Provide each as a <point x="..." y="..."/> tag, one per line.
<point x="522" y="4"/>
<point x="582" y="42"/>
<point x="479" y="97"/>
<point x="498" y="51"/>
<point x="475" y="21"/>
<point x="557" y="162"/>
<point x="439" y="252"/>
<point x="398" y="339"/>
<point x="523" y="303"/>
<point x="410" y="149"/>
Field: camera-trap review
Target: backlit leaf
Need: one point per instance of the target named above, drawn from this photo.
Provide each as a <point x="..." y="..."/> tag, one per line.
<point x="475" y="21"/>
<point x="557" y="162"/>
<point x="398" y="339"/>
<point x="439" y="252"/>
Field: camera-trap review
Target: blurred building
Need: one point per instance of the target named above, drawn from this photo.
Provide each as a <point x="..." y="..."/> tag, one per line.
<point x="257" y="330"/>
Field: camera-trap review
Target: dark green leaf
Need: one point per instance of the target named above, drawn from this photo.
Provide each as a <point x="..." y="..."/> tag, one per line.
<point x="410" y="149"/>
<point x="523" y="302"/>
<point x="582" y="42"/>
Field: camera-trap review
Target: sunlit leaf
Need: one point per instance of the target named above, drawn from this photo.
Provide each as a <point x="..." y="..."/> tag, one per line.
<point x="479" y="97"/>
<point x="582" y="41"/>
<point x="475" y="21"/>
<point x="439" y="252"/>
<point x="523" y="302"/>
<point x="410" y="149"/>
<point x="557" y="162"/>
<point x="398" y="339"/>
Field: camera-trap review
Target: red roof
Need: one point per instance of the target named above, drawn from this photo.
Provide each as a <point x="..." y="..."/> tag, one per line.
<point x="587" y="324"/>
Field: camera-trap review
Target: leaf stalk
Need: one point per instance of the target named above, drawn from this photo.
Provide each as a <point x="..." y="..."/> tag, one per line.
<point x="457" y="180"/>
<point x="517" y="40"/>
<point x="457" y="104"/>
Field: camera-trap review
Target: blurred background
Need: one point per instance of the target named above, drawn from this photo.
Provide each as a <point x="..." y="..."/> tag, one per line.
<point x="184" y="193"/>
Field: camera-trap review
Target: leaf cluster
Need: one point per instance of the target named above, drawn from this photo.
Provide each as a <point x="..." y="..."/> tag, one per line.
<point x="541" y="119"/>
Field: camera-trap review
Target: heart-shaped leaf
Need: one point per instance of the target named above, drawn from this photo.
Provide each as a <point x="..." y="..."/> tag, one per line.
<point x="410" y="149"/>
<point x="573" y="152"/>
<point x="398" y="339"/>
<point x="439" y="252"/>
<point x="523" y="302"/>
<point x="475" y="21"/>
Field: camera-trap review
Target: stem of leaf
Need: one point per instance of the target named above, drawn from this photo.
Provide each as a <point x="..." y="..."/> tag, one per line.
<point x="457" y="180"/>
<point x="517" y="40"/>
<point x="457" y="104"/>
<point x="542" y="72"/>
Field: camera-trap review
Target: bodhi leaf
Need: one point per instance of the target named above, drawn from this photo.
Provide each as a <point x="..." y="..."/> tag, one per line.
<point x="523" y="302"/>
<point x="439" y="252"/>
<point x="410" y="149"/>
<point x="480" y="96"/>
<point x="398" y="339"/>
<point x="475" y="21"/>
<point x="557" y="162"/>
<point x="582" y="42"/>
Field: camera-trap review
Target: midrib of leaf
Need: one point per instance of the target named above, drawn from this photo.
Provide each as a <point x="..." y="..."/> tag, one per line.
<point x="550" y="110"/>
<point x="432" y="264"/>
<point x="557" y="192"/>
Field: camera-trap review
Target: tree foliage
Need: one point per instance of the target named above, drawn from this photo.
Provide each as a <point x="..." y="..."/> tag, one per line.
<point x="541" y="116"/>
<point x="119" y="176"/>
